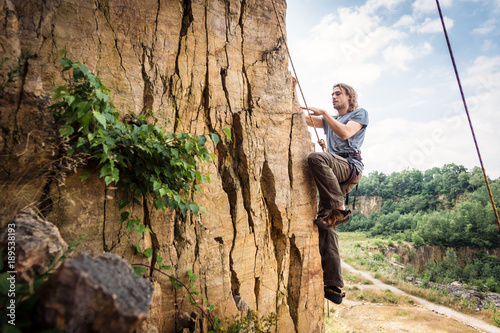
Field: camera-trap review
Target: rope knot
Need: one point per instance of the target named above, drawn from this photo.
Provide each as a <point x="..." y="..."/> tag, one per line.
<point x="322" y="143"/>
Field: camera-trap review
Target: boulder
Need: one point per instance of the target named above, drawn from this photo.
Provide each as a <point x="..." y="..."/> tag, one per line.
<point x="89" y="294"/>
<point x="38" y="244"/>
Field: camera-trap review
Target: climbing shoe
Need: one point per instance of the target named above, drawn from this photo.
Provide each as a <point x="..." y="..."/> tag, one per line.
<point x="340" y="216"/>
<point x="335" y="218"/>
<point x="334" y="294"/>
<point x="324" y="222"/>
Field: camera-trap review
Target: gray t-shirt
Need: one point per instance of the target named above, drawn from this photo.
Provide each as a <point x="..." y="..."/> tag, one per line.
<point x="353" y="144"/>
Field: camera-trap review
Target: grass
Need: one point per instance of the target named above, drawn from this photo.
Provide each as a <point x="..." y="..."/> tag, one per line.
<point x="366" y="254"/>
<point x="374" y="295"/>
<point x="354" y="278"/>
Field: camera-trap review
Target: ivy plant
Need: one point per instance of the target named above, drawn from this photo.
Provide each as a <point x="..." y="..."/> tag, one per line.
<point x="136" y="154"/>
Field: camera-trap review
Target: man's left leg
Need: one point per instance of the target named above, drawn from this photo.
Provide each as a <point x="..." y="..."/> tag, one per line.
<point x="330" y="262"/>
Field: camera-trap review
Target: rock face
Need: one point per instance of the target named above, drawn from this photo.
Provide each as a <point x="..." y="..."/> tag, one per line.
<point x="419" y="256"/>
<point x="100" y="294"/>
<point x="366" y="205"/>
<point x="204" y="66"/>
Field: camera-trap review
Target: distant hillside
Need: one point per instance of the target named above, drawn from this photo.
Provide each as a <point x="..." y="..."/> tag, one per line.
<point x="447" y="206"/>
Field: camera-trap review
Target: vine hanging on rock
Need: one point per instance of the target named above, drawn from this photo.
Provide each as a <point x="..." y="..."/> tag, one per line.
<point x="137" y="155"/>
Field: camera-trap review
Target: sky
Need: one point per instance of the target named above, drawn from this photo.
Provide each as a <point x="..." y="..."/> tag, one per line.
<point x="394" y="53"/>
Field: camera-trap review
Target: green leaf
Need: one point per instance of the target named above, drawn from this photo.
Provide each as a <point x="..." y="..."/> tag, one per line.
<point x="66" y="62"/>
<point x="84" y="176"/>
<point x="227" y="131"/>
<point x="102" y="96"/>
<point x="176" y="285"/>
<point x="105" y="170"/>
<point x="201" y="139"/>
<point x="123" y="203"/>
<point x="184" y="207"/>
<point x="158" y="203"/>
<point x="108" y="180"/>
<point x="140" y="229"/>
<point x="131" y="223"/>
<point x="139" y="270"/>
<point x="69" y="99"/>
<point x="215" y="138"/>
<point x="159" y="260"/>
<point x="124" y="216"/>
<point x="138" y="248"/>
<point x="82" y="108"/>
<point x="194" y="208"/>
<point x="116" y="175"/>
<point x="188" y="145"/>
<point x="163" y="191"/>
<point x="60" y="92"/>
<point x="66" y="131"/>
<point x="148" y="252"/>
<point x="100" y="118"/>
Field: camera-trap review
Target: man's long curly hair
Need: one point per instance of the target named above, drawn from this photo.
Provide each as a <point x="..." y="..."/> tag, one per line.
<point x="353" y="101"/>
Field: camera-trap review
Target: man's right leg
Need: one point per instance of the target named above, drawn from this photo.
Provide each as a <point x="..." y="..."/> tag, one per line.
<point x="328" y="170"/>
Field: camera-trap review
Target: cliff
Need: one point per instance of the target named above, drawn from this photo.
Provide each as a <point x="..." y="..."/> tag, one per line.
<point x="203" y="66"/>
<point x="366" y="205"/>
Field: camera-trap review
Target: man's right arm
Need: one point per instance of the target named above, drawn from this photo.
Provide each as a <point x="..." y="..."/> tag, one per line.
<point x="318" y="121"/>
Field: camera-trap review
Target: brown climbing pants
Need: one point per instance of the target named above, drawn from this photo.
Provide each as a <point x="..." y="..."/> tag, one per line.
<point x="329" y="170"/>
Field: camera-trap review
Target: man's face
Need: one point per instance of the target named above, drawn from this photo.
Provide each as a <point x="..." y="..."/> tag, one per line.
<point x="340" y="99"/>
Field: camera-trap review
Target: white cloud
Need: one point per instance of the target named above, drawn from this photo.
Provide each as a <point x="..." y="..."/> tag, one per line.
<point x="486" y="27"/>
<point x="429" y="6"/>
<point x="488" y="45"/>
<point x="426" y="144"/>
<point x="372" y="5"/>
<point x="348" y="36"/>
<point x="398" y="55"/>
<point x="404" y="21"/>
<point x="432" y="26"/>
<point x="358" y="75"/>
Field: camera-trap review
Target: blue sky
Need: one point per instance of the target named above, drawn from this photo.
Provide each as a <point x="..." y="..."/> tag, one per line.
<point x="394" y="53"/>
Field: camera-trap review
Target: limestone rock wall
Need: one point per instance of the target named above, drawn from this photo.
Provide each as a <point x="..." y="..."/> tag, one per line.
<point x="204" y="65"/>
<point x="367" y="205"/>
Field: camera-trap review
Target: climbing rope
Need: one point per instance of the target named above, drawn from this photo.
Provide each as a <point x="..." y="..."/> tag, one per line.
<point x="321" y="142"/>
<point x="468" y="116"/>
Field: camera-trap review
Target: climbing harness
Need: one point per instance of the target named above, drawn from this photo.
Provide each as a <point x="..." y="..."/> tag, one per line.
<point x="321" y="142"/>
<point x="467" y="112"/>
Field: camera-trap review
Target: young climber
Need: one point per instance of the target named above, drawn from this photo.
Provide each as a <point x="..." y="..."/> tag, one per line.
<point x="336" y="173"/>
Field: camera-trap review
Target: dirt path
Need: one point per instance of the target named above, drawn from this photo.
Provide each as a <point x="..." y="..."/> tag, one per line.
<point x="414" y="314"/>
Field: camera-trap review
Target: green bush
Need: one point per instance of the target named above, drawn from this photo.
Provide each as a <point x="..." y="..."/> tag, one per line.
<point x="417" y="240"/>
<point x="492" y="285"/>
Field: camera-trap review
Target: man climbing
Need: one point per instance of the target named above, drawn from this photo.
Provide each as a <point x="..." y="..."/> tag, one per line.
<point x="336" y="173"/>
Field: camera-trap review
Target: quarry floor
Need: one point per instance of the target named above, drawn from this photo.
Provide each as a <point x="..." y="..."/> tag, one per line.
<point x="413" y="315"/>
